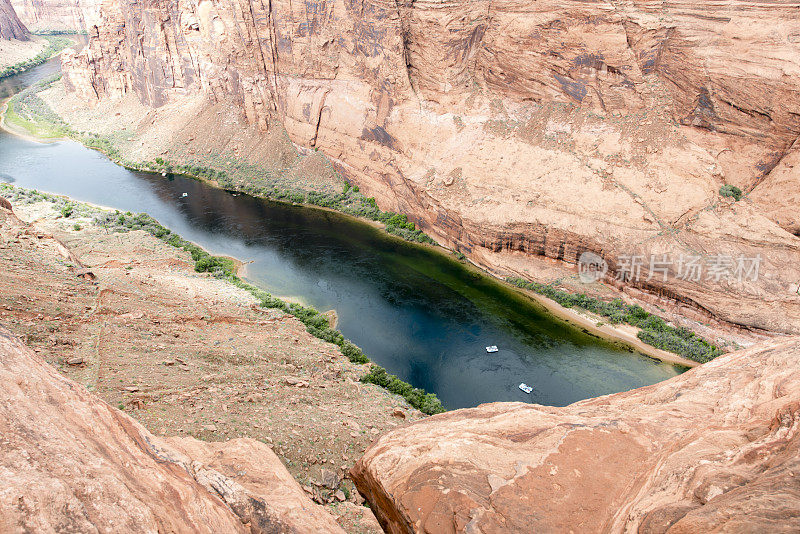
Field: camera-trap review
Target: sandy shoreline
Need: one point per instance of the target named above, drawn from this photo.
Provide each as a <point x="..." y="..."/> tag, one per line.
<point x="623" y="334"/>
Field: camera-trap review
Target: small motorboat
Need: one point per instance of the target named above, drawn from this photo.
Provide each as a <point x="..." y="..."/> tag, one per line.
<point x="526" y="388"/>
<point x="492" y="349"/>
<point x="184" y="195"/>
<point x="163" y="173"/>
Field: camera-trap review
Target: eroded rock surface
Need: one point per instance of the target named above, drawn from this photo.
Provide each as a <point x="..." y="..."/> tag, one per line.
<point x="241" y="468"/>
<point x="715" y="449"/>
<point x="512" y="130"/>
<point x="51" y="15"/>
<point x="10" y="25"/>
<point x="70" y="462"/>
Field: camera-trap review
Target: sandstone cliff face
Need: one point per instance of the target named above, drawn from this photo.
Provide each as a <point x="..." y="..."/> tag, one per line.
<point x="10" y="25"/>
<point x="72" y="463"/>
<point x="778" y="194"/>
<point x="50" y="15"/>
<point x="509" y="129"/>
<point x="713" y="450"/>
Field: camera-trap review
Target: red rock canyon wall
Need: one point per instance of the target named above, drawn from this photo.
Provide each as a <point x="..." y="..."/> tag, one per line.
<point x="507" y="126"/>
<point x="712" y="450"/>
<point x="10" y="25"/>
<point x="50" y="15"/>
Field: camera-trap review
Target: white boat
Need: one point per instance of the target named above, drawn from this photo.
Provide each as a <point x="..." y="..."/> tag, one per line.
<point x="526" y="388"/>
<point x="184" y="195"/>
<point x="492" y="349"/>
<point x="163" y="173"/>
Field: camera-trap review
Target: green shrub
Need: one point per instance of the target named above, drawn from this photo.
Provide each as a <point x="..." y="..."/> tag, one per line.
<point x="729" y="190"/>
<point x="59" y="32"/>
<point x="213" y="264"/>
<point x="653" y="329"/>
<point x="271" y="302"/>
<point x="427" y="403"/>
<point x="352" y="352"/>
<point x="693" y="348"/>
<point x="328" y="334"/>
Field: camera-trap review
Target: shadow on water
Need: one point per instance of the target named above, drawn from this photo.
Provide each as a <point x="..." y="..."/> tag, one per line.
<point x="420" y="314"/>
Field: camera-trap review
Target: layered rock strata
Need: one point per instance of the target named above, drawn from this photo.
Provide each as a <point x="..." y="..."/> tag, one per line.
<point x="511" y="129"/>
<point x="713" y="450"/>
<point x="51" y="15"/>
<point x="10" y="25"/>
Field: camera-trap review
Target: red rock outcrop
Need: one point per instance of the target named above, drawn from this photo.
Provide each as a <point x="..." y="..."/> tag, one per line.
<point x="10" y="25"/>
<point x="716" y="449"/>
<point x="50" y="15"/>
<point x="778" y="194"/>
<point x="510" y="129"/>
<point x="70" y="462"/>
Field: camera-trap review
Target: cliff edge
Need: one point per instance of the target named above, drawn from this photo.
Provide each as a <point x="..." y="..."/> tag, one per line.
<point x="713" y="450"/>
<point x="73" y="463"/>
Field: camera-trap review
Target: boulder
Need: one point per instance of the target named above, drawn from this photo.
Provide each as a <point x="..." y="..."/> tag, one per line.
<point x="70" y="462"/>
<point x="715" y="449"/>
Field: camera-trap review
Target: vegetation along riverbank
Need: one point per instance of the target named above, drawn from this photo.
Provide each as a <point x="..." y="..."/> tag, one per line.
<point x="31" y="115"/>
<point x="223" y="268"/>
<point x="653" y="330"/>
<point x="55" y="44"/>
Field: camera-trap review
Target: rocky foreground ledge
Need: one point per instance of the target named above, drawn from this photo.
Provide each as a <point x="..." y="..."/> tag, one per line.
<point x="715" y="449"/>
<point x="72" y="463"/>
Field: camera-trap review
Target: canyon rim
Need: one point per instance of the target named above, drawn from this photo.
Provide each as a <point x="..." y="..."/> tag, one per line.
<point x="510" y="130"/>
<point x="661" y="139"/>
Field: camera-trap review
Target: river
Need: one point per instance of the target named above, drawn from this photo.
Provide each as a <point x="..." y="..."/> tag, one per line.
<point x="418" y="313"/>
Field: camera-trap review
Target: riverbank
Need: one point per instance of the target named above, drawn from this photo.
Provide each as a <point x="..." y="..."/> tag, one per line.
<point x="318" y="324"/>
<point x="19" y="56"/>
<point x="18" y="131"/>
<point x="597" y="326"/>
<point x="349" y="201"/>
<point x="13" y="52"/>
<point x="178" y="350"/>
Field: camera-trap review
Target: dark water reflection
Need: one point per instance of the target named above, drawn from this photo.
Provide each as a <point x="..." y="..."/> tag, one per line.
<point x="421" y="315"/>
